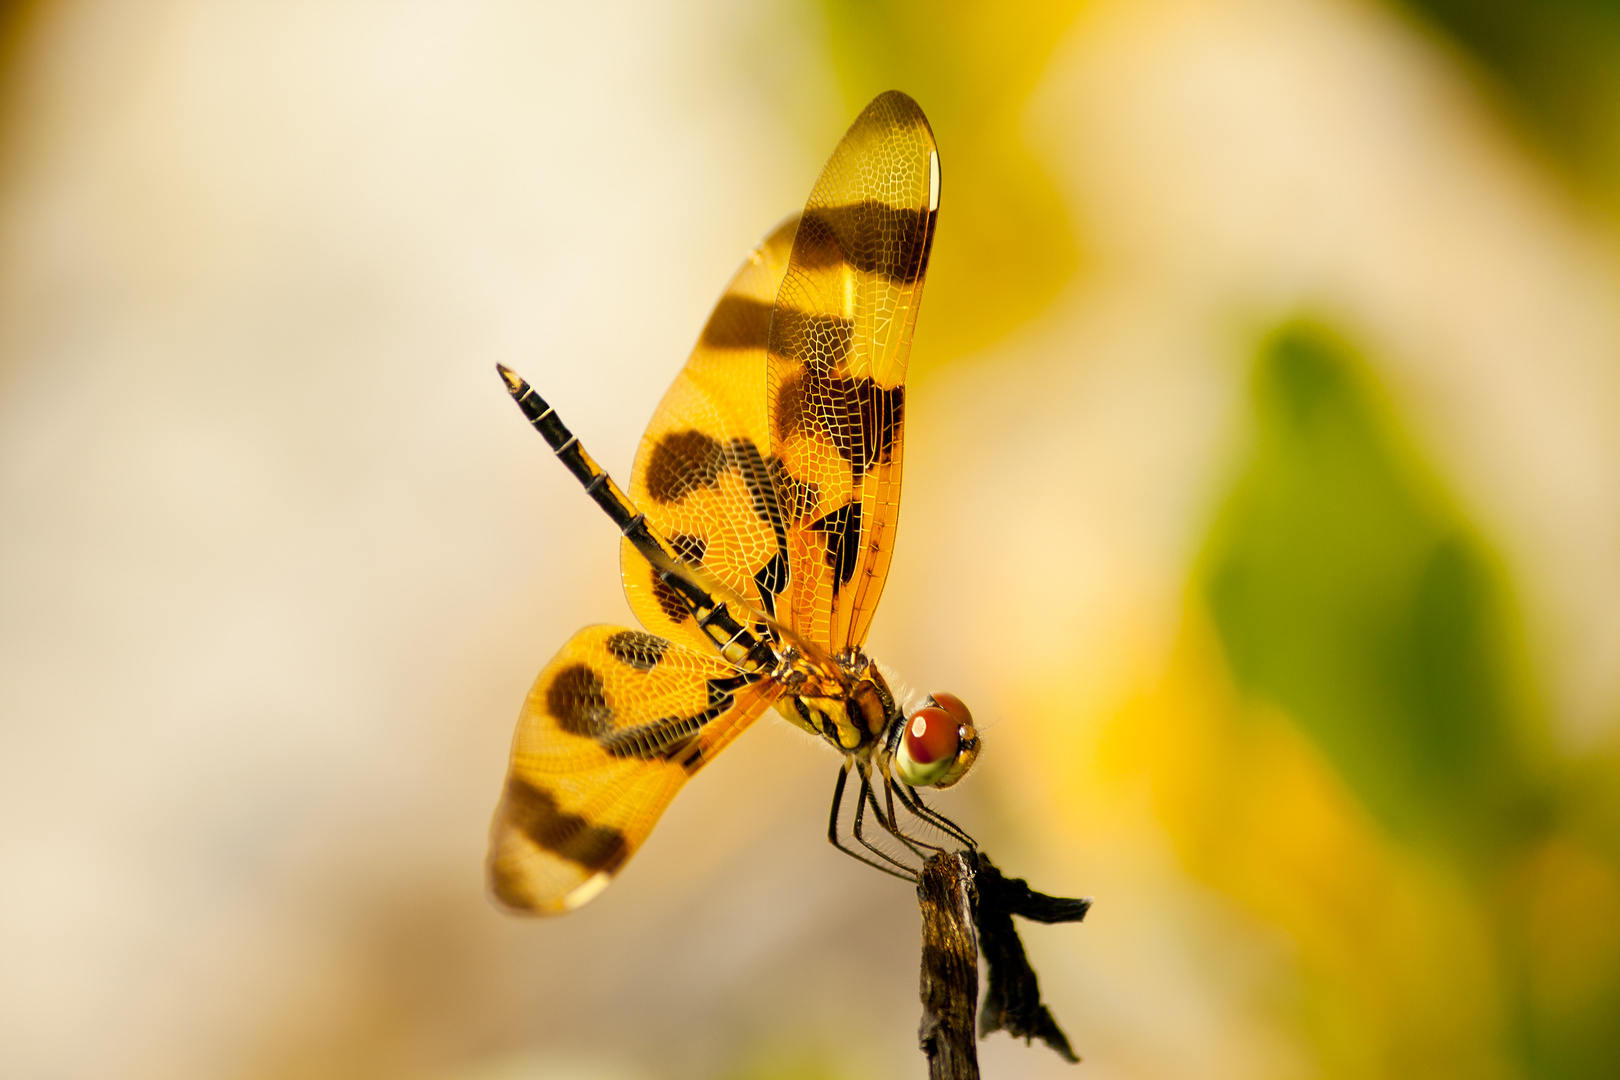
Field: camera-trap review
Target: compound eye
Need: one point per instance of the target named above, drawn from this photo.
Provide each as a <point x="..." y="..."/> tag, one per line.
<point x="930" y="747"/>
<point x="953" y="705"/>
<point x="932" y="736"/>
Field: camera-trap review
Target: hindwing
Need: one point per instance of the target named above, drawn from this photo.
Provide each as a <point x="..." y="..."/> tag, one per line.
<point x="611" y="730"/>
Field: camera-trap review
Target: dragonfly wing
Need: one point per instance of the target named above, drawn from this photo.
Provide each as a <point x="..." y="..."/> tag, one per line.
<point x="611" y="730"/>
<point x="700" y="473"/>
<point x="839" y="340"/>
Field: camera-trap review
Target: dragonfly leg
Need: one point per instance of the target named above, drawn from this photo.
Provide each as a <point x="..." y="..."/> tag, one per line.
<point x="913" y="802"/>
<point x="832" y="829"/>
<point x="892" y="822"/>
<point x="865" y="797"/>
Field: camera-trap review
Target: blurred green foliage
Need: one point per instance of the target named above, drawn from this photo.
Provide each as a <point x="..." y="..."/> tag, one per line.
<point x="1008" y="246"/>
<point x="1346" y="589"/>
<point x="1349" y="590"/>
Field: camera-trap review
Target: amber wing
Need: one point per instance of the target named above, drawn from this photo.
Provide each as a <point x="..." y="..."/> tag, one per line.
<point x="700" y="474"/>
<point x="839" y="340"/>
<point x="611" y="730"/>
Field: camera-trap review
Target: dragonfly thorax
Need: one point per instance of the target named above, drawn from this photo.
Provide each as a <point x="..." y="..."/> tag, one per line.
<point x="853" y="709"/>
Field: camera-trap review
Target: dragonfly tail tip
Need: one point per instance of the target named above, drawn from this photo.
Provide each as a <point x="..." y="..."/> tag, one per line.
<point x="514" y="381"/>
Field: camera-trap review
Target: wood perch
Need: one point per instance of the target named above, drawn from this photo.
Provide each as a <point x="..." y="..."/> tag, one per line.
<point x="967" y="908"/>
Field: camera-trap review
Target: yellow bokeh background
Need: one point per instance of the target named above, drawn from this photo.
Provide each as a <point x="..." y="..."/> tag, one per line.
<point x="1262" y="499"/>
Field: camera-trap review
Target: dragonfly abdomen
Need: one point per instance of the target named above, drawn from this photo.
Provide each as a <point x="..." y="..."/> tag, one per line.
<point x="735" y="642"/>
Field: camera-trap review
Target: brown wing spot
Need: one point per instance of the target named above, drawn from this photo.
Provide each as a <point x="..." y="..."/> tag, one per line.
<point x="689" y="547"/>
<point x="791" y="402"/>
<point x="682" y="462"/>
<point x="814" y="338"/>
<point x="669" y="600"/>
<point x="781" y="479"/>
<point x="664" y="738"/>
<point x="635" y="649"/>
<point x="759" y="480"/>
<point x="871" y="236"/>
<point x="772" y="578"/>
<point x="818" y="244"/>
<point x="862" y="419"/>
<point x="669" y="737"/>
<point x="535" y="813"/>
<point x="692" y="759"/>
<point x="738" y="322"/>
<point x="842" y="528"/>
<point x="797" y="497"/>
<point x="576" y="700"/>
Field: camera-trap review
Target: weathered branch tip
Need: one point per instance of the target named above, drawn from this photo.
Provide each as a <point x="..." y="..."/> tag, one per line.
<point x="967" y="908"/>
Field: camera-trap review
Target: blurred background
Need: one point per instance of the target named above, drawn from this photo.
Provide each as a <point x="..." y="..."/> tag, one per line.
<point x="1263" y="499"/>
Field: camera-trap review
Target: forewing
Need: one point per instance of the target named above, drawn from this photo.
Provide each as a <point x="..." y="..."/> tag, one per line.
<point x="839" y="340"/>
<point x="700" y="474"/>
<point x="612" y="728"/>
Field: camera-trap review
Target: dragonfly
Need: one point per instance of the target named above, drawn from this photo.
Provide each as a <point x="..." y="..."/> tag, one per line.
<point x="756" y="536"/>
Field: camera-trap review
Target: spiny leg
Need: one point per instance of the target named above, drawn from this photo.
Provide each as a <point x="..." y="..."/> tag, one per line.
<point x="923" y="811"/>
<point x="888" y="821"/>
<point x="888" y="795"/>
<point x="913" y="802"/>
<point x="893" y="822"/>
<point x="866" y="796"/>
<point x="832" y="829"/>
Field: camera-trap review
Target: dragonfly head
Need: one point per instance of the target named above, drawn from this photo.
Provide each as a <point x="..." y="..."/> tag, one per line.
<point x="939" y="743"/>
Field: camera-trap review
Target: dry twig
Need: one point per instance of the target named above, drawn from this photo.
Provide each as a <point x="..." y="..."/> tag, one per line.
<point x="958" y="893"/>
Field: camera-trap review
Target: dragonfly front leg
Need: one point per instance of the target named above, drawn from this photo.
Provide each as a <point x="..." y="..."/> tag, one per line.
<point x="867" y="796"/>
<point x="913" y="802"/>
<point x="892" y="823"/>
<point x="832" y="828"/>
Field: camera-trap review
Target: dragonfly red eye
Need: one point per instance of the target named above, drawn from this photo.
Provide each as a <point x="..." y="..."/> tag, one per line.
<point x="940" y="743"/>
<point x="953" y="705"/>
<point x="932" y="735"/>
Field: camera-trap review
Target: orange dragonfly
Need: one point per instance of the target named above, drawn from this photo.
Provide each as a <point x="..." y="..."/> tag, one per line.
<point x="757" y="534"/>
